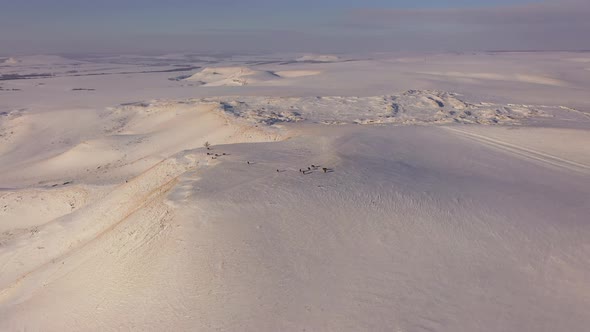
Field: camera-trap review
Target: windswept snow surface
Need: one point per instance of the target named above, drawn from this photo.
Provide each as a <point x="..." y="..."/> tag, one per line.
<point x="411" y="107"/>
<point x="142" y="203"/>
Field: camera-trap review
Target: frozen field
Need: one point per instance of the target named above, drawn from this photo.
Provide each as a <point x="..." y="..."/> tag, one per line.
<point x="443" y="192"/>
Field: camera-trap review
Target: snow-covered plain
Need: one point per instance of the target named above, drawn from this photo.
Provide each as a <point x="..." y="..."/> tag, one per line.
<point x="445" y="192"/>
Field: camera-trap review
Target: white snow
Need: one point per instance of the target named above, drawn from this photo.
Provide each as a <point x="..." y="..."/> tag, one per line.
<point x="231" y="76"/>
<point x="11" y="61"/>
<point x="391" y="194"/>
<point x="297" y="73"/>
<point x="411" y="107"/>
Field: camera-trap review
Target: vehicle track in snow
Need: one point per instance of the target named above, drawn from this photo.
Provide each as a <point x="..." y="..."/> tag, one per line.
<point x="543" y="158"/>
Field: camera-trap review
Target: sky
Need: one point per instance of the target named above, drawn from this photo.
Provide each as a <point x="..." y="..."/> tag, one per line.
<point x="263" y="26"/>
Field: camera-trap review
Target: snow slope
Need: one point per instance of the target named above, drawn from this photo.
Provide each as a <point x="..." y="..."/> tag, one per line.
<point x="11" y="61"/>
<point x="407" y="233"/>
<point x="231" y="76"/>
<point x="332" y="203"/>
<point x="242" y="76"/>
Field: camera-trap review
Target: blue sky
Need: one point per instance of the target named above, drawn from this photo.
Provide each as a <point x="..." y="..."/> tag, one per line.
<point x="274" y="25"/>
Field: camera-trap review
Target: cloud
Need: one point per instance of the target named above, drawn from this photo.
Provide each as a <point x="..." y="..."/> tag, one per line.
<point x="548" y="25"/>
<point x="564" y="12"/>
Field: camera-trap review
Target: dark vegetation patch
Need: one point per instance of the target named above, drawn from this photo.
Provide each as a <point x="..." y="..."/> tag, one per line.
<point x="12" y="77"/>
